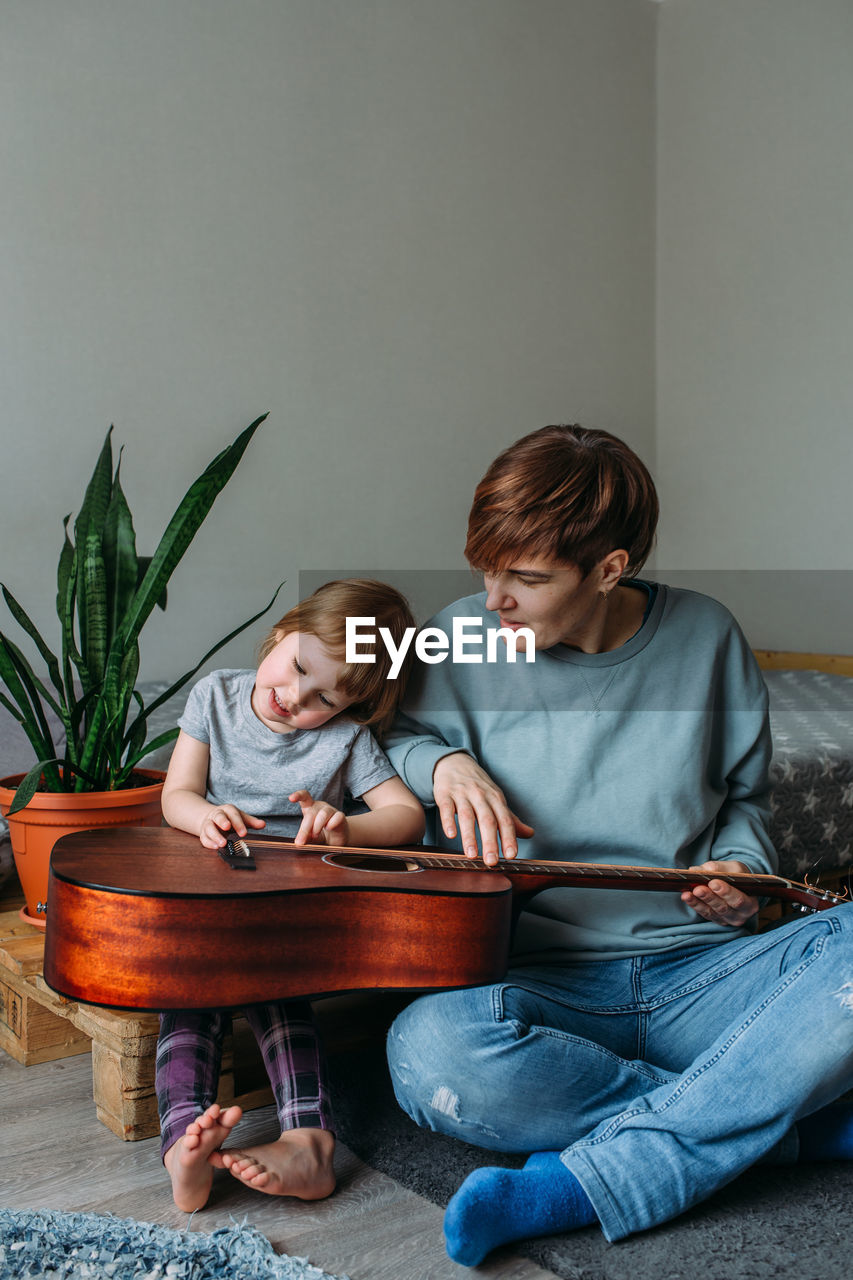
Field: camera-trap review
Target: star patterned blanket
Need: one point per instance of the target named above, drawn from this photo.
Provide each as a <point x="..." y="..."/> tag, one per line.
<point x="811" y="718"/>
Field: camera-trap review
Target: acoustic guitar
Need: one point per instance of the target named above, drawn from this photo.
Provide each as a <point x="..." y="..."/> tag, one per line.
<point x="145" y="918"/>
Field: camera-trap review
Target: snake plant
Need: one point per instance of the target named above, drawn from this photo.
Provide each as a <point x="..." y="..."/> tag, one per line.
<point x="105" y="594"/>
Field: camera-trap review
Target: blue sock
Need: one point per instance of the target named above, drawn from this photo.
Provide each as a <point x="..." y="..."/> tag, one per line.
<point x="494" y="1206"/>
<point x="828" y="1134"/>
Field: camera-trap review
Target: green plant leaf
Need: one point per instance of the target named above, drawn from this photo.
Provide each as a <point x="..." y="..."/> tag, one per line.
<point x="34" y="686"/>
<point x="28" y="786"/>
<point x="78" y="712"/>
<point x="182" y="528"/>
<point x="63" y="572"/>
<point x="91" y="746"/>
<point x="162" y="740"/>
<point x="105" y="593"/>
<point x="134" y="742"/>
<point x="10" y="707"/>
<point x="21" y="685"/>
<point x="117" y="698"/>
<point x="26" y="624"/>
<point x="93" y="610"/>
<point x="66" y="594"/>
<point x="163" y="599"/>
<point x="120" y="560"/>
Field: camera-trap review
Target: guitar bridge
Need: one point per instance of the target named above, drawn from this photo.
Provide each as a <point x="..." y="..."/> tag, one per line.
<point x="238" y="855"/>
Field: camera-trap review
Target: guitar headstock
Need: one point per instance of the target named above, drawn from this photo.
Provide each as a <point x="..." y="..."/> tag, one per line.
<point x="811" y="897"/>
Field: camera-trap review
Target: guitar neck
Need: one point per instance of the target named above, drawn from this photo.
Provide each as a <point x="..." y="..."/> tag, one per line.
<point x="654" y="879"/>
<point x="534" y="876"/>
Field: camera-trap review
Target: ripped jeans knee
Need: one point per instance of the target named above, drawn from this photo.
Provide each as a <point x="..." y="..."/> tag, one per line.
<point x="484" y="1066"/>
<point x="440" y="1076"/>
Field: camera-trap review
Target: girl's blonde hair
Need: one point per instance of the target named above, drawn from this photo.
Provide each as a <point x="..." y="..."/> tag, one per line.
<point x="324" y="613"/>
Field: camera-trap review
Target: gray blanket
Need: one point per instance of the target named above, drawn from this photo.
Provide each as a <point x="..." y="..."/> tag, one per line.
<point x="811" y="716"/>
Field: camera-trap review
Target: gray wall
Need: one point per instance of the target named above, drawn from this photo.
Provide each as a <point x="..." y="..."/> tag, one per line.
<point x="755" y="311"/>
<point x="412" y="230"/>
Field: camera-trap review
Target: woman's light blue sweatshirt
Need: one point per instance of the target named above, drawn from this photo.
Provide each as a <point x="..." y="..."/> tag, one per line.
<point x="655" y="754"/>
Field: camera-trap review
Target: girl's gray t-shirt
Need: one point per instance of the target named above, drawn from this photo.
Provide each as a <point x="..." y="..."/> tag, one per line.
<point x="256" y="769"/>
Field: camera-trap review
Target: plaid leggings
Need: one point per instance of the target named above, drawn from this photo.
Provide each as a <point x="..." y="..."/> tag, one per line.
<point x="189" y="1058"/>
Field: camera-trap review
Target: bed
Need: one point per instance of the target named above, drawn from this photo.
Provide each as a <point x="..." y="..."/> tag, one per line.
<point x="811" y="718"/>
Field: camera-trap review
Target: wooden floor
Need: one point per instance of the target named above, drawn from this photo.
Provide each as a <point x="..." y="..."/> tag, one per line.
<point x="55" y="1154"/>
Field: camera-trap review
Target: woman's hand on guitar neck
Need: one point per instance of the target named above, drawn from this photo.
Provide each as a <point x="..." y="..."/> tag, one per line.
<point x="467" y="798"/>
<point x="719" y="901"/>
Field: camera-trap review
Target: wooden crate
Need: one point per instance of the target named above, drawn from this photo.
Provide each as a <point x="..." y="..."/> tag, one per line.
<point x="34" y="1026"/>
<point x="30" y="1032"/>
<point x="123" y="1052"/>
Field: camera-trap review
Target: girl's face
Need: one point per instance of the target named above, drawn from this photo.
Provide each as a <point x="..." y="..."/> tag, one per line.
<point x="554" y="600"/>
<point x="296" y="685"/>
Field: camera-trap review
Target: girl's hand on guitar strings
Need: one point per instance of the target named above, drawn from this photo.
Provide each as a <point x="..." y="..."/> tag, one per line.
<point x="222" y="819"/>
<point x="466" y="796"/>
<point x="718" y="901"/>
<point x="322" y="823"/>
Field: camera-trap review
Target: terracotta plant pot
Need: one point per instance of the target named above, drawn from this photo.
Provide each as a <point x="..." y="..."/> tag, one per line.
<point x="35" y="829"/>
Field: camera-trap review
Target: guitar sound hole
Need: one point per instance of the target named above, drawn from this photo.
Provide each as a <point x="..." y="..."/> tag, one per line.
<point x="384" y="862"/>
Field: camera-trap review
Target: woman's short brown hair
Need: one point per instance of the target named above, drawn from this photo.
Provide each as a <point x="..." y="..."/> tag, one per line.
<point x="565" y="493"/>
<point x="324" y="613"/>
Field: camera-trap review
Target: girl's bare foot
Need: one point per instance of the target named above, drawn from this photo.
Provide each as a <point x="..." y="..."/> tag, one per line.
<point x="300" y="1163"/>
<point x="188" y="1160"/>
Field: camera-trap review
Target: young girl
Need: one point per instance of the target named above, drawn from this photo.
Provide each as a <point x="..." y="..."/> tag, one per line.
<point x="279" y="749"/>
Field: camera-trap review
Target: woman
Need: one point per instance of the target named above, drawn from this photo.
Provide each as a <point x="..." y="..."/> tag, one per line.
<point x="647" y="1048"/>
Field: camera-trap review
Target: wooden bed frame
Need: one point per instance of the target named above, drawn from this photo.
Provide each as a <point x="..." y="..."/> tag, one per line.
<point x="836" y="664"/>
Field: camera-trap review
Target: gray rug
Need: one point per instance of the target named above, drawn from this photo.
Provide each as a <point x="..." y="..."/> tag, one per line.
<point x="791" y="1221"/>
<point x="89" y="1246"/>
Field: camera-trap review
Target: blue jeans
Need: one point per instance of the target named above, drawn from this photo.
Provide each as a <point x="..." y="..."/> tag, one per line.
<point x="659" y="1078"/>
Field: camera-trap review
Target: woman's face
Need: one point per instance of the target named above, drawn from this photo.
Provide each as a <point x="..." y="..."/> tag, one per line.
<point x="554" y="600"/>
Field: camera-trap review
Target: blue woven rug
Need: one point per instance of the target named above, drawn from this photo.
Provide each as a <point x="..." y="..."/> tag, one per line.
<point x="89" y="1246"/>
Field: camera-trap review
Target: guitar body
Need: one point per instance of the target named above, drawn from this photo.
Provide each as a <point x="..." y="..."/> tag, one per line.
<point x="145" y="918"/>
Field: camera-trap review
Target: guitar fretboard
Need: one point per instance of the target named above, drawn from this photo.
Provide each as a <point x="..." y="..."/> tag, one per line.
<point x="594" y="870"/>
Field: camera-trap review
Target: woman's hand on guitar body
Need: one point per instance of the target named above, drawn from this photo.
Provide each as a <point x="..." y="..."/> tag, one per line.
<point x="467" y="797"/>
<point x="718" y="901"/>
<point x="322" y="823"/>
